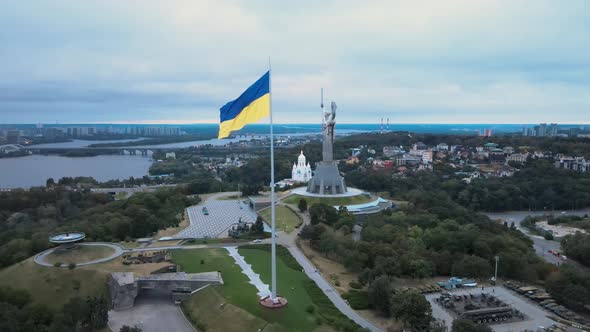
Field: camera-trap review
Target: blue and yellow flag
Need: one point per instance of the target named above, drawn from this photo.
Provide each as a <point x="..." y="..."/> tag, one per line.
<point x="250" y="107"/>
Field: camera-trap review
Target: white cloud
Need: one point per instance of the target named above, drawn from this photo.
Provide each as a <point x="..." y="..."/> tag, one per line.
<point x="482" y="60"/>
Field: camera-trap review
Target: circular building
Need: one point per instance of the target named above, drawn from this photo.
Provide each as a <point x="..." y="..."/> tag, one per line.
<point x="67" y="240"/>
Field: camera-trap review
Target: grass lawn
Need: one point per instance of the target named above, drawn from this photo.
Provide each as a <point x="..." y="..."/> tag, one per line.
<point x="130" y="244"/>
<point x="285" y="218"/>
<point x="241" y="295"/>
<point x="54" y="286"/>
<point x="332" y="201"/>
<point x="81" y="254"/>
<point x="236" y="288"/>
<point x="289" y="285"/>
<point x="209" y="312"/>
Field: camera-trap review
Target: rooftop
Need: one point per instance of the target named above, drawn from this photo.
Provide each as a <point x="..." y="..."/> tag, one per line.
<point x="67" y="237"/>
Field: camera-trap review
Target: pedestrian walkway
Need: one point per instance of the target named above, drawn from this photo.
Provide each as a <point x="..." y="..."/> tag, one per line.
<point x="41" y="258"/>
<point x="263" y="289"/>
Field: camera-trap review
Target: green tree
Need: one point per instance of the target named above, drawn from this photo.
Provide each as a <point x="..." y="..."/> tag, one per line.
<point x="98" y="315"/>
<point x="77" y="311"/>
<point x="473" y="267"/>
<point x="258" y="227"/>
<point x="302" y="205"/>
<point x="379" y="295"/>
<point x="322" y="213"/>
<point x="412" y="309"/>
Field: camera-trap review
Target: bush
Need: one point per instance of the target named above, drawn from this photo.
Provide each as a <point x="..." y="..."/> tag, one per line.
<point x="355" y="285"/>
<point x="57" y="264"/>
<point x="318" y="320"/>
<point x="302" y="205"/>
<point x="325" y="308"/>
<point x="310" y="309"/>
<point x="201" y="326"/>
<point x="358" y="300"/>
<point x="72" y="266"/>
<point x="548" y="236"/>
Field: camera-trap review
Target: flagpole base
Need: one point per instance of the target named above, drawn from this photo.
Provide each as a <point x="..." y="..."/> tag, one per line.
<point x="276" y="303"/>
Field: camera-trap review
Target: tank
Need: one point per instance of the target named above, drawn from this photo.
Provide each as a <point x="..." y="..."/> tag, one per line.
<point x="489" y="315"/>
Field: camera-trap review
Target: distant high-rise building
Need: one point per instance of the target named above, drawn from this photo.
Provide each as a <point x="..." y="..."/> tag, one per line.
<point x="13" y="136"/>
<point x="542" y="130"/>
<point x="553" y="129"/>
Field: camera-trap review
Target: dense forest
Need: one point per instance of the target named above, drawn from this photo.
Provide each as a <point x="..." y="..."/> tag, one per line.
<point x="432" y="236"/>
<point x="27" y="218"/>
<point x="18" y="313"/>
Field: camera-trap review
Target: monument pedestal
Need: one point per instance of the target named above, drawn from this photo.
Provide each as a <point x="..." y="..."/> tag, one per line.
<point x="275" y="303"/>
<point x="326" y="180"/>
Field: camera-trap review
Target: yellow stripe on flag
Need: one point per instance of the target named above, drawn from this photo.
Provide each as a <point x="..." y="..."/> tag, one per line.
<point x="258" y="109"/>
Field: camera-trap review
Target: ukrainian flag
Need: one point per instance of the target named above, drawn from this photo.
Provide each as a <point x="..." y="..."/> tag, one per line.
<point x="250" y="107"/>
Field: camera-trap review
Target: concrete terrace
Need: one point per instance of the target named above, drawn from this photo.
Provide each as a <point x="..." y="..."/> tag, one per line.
<point x="223" y="214"/>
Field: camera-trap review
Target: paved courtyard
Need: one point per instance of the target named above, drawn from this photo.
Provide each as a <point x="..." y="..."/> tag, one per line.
<point x="222" y="215"/>
<point x="152" y="313"/>
<point x="536" y="316"/>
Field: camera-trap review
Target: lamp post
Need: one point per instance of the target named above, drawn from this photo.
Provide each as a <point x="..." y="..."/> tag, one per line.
<point x="497" y="258"/>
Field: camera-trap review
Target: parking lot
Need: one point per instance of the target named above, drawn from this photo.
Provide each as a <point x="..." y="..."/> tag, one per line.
<point x="535" y="316"/>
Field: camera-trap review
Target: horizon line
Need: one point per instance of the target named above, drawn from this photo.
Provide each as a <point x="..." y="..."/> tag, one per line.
<point x="293" y="123"/>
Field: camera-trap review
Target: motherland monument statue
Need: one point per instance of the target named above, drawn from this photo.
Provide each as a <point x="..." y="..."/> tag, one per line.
<point x="326" y="179"/>
<point x="328" y="124"/>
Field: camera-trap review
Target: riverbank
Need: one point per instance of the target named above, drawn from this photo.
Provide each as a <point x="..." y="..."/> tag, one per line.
<point x="34" y="170"/>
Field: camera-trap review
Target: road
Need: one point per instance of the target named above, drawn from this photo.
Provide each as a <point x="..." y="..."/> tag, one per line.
<point x="288" y="240"/>
<point x="540" y="245"/>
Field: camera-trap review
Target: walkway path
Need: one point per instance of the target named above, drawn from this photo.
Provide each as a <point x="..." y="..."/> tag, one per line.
<point x="41" y="258"/>
<point x="263" y="289"/>
<point x="288" y="241"/>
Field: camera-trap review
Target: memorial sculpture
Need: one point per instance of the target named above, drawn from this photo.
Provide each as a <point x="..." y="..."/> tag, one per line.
<point x="326" y="179"/>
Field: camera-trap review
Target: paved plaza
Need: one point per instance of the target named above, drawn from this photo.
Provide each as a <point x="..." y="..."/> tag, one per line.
<point x="153" y="312"/>
<point x="535" y="315"/>
<point x="222" y="214"/>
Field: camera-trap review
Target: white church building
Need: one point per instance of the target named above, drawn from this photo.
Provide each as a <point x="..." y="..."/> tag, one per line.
<point x="302" y="170"/>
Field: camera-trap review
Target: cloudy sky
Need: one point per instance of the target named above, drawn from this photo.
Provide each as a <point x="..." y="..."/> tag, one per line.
<point x="452" y="61"/>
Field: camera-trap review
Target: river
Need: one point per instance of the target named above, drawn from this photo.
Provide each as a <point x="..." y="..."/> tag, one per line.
<point x="34" y="170"/>
<point x="78" y="143"/>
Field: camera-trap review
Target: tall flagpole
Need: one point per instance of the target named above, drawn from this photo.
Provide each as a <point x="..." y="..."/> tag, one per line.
<point x="272" y="192"/>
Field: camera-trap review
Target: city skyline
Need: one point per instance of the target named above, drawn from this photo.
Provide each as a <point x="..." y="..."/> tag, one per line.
<point x="455" y="62"/>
